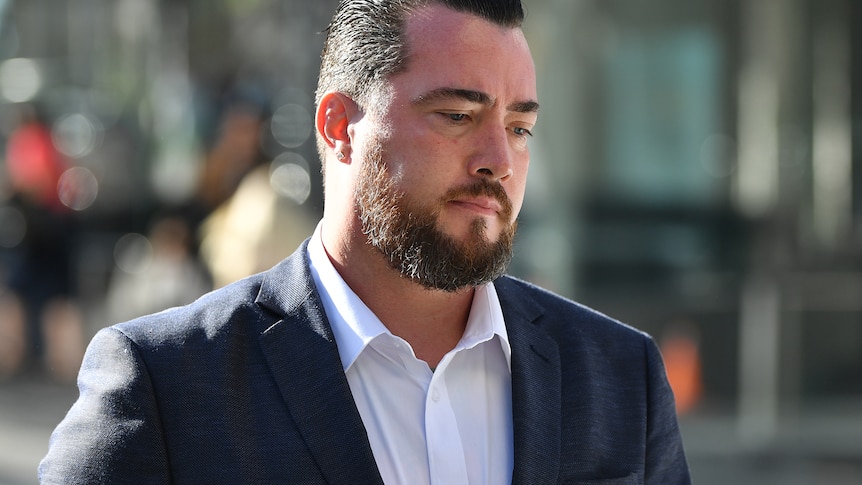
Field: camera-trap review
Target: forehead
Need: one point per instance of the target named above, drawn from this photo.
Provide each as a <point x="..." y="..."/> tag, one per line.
<point x="458" y="50"/>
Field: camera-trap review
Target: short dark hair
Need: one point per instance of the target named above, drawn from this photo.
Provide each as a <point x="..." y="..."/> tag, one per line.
<point x="365" y="42"/>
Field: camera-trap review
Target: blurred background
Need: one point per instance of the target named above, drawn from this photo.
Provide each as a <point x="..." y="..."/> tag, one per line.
<point x="696" y="174"/>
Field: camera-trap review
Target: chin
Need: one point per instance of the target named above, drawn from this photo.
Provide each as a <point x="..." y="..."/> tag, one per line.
<point x="468" y="231"/>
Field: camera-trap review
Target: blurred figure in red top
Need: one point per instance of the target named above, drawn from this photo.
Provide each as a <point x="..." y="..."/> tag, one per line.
<point x="40" y="321"/>
<point x="33" y="163"/>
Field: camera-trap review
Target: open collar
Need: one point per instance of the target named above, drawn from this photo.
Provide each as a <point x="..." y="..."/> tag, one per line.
<point x="303" y="355"/>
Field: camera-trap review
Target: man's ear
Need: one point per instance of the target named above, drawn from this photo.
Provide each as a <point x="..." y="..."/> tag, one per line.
<point x="333" y="119"/>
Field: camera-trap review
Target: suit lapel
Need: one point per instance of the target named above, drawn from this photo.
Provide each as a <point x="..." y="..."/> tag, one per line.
<point x="303" y="357"/>
<point x="536" y="389"/>
<point x="302" y="354"/>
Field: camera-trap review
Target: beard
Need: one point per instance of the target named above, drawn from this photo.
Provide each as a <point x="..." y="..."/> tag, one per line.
<point x="406" y="232"/>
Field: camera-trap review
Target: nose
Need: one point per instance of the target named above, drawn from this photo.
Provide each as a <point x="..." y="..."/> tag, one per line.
<point x="494" y="156"/>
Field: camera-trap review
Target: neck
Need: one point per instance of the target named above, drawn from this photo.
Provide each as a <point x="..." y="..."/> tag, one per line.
<point x="431" y="321"/>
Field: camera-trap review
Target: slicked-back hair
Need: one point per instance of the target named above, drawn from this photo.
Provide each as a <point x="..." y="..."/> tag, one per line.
<point x="366" y="43"/>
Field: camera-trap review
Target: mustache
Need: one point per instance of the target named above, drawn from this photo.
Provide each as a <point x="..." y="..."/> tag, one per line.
<point x="482" y="188"/>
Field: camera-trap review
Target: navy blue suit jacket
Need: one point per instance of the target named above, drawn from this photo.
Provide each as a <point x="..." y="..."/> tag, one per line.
<point x="245" y="385"/>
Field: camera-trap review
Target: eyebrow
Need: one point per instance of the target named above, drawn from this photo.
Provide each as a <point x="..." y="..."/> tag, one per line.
<point x="474" y="97"/>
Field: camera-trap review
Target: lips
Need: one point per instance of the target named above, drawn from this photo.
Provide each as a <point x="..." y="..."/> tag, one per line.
<point x="480" y="204"/>
<point x="483" y="197"/>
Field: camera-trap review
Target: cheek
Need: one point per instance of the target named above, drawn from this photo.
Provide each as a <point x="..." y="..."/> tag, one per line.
<point x="517" y="188"/>
<point x="419" y="163"/>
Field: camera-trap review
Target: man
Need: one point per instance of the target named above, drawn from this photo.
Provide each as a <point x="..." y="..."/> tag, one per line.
<point x="389" y="348"/>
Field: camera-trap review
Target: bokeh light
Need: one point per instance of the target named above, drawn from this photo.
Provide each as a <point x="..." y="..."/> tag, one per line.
<point x="76" y="135"/>
<point x="290" y="177"/>
<point x="291" y="125"/>
<point x="78" y="188"/>
<point x="133" y="253"/>
<point x="20" y="80"/>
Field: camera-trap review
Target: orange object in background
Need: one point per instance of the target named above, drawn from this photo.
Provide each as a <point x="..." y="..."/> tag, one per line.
<point x="681" y="353"/>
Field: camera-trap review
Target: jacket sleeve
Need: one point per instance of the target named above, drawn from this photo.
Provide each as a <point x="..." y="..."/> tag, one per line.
<point x="665" y="458"/>
<point x="112" y="434"/>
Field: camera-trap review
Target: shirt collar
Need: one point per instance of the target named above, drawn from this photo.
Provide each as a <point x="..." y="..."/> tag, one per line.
<point x="354" y="325"/>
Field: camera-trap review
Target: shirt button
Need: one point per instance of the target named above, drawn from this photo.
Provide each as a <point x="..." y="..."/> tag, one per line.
<point x="435" y="395"/>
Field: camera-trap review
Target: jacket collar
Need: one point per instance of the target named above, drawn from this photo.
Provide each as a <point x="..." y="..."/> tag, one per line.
<point x="536" y="387"/>
<point x="301" y="352"/>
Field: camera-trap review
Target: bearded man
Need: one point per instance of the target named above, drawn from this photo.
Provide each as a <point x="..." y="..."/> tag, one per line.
<point x="390" y="347"/>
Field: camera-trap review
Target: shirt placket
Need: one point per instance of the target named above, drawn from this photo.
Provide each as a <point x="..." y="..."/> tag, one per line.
<point x="445" y="450"/>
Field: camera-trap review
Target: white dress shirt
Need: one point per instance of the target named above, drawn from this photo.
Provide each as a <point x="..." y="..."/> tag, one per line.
<point x="450" y="426"/>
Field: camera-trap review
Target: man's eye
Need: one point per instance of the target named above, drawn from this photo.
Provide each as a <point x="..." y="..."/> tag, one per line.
<point x="522" y="131"/>
<point x="456" y="116"/>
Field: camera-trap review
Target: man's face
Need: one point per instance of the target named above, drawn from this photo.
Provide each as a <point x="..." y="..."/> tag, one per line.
<point x="444" y="163"/>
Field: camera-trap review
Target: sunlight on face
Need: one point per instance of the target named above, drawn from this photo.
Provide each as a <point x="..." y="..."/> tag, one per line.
<point x="407" y="233"/>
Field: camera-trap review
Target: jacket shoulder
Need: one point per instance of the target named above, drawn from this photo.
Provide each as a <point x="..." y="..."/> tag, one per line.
<point x="244" y="306"/>
<point x="208" y="316"/>
<point x="559" y="315"/>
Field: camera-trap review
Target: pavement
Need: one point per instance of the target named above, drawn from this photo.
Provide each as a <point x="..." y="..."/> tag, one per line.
<point x="30" y="408"/>
<point x="813" y="449"/>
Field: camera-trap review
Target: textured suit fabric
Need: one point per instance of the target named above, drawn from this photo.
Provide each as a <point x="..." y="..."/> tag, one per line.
<point x="245" y="385"/>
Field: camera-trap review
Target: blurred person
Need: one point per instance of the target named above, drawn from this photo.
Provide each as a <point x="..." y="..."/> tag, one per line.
<point x="390" y="347"/>
<point x="13" y="334"/>
<point x="170" y="276"/>
<point x="249" y="231"/>
<point x="39" y="283"/>
<point x="33" y="163"/>
<point x="63" y="328"/>
<point x="234" y="153"/>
